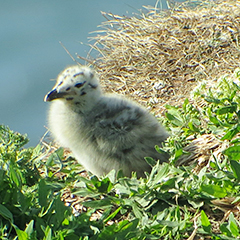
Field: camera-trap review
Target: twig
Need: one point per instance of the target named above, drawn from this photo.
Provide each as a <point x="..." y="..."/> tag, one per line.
<point x="69" y="53"/>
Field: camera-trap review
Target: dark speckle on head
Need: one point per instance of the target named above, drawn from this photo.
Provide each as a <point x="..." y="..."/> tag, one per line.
<point x="77" y="103"/>
<point x="93" y="85"/>
<point x="77" y="74"/>
<point x="67" y="75"/>
<point x="60" y="83"/>
<point x="67" y="89"/>
<point x="78" y="85"/>
<point x="83" y="93"/>
<point x="91" y="75"/>
<point x="69" y="98"/>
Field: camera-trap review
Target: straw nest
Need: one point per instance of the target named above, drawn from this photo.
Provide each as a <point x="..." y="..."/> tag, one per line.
<point x="157" y="58"/>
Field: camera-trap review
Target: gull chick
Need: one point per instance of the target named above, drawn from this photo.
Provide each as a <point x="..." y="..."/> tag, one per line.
<point x="104" y="132"/>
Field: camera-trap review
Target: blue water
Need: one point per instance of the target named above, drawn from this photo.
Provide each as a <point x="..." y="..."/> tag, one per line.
<point x="31" y="55"/>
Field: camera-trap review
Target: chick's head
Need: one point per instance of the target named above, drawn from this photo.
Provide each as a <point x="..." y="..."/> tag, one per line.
<point x="76" y="85"/>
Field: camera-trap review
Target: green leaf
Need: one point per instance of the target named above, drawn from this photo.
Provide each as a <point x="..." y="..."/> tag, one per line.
<point x="103" y="186"/>
<point x="205" y="222"/>
<point x="214" y="190"/>
<point x="234" y="228"/>
<point x="123" y="230"/>
<point x="42" y="193"/>
<point x="233" y="152"/>
<point x="65" y="222"/>
<point x="192" y="127"/>
<point x="21" y="234"/>
<point x="29" y="228"/>
<point x="36" y="151"/>
<point x="184" y="106"/>
<point x="112" y="215"/>
<point x="6" y="213"/>
<point x="236" y="169"/>
<point x="48" y="233"/>
<point x="231" y="133"/>
<point x="60" y="209"/>
<point x="212" y="100"/>
<point x="98" y="203"/>
<point x="126" y="227"/>
<point x="174" y="116"/>
<point x="226" y="109"/>
<point x="136" y="210"/>
<point x="14" y="175"/>
<point x="150" y="161"/>
<point x="159" y="150"/>
<point x="233" y="93"/>
<point x="212" y="118"/>
<point x="178" y="153"/>
<point x="225" y="230"/>
<point x="163" y="169"/>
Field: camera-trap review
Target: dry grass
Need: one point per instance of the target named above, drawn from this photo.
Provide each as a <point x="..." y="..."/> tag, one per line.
<point x="159" y="57"/>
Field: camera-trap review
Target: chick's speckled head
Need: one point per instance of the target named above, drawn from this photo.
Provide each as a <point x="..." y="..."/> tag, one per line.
<point x="76" y="84"/>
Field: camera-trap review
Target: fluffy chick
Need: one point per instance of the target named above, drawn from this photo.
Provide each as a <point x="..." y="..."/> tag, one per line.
<point x="104" y="132"/>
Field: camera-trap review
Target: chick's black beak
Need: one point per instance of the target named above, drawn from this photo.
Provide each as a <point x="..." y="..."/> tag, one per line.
<point x="54" y="95"/>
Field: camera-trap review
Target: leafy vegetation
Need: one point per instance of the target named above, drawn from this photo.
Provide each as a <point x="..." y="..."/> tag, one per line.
<point x="172" y="202"/>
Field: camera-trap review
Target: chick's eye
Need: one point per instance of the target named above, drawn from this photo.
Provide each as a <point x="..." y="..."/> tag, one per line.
<point x="78" y="85"/>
